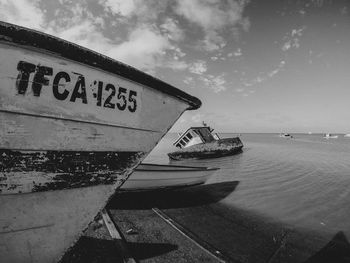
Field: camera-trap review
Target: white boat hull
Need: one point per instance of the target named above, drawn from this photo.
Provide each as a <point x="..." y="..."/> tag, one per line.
<point x="149" y="176"/>
<point x="73" y="126"/>
<point x="331" y="137"/>
<point x="38" y="227"/>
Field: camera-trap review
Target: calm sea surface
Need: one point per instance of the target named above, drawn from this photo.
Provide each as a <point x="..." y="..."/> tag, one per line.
<point x="304" y="182"/>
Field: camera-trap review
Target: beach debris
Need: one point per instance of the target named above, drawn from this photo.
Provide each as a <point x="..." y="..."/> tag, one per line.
<point x="131" y="231"/>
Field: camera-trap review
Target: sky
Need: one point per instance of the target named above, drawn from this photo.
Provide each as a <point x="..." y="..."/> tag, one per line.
<point x="258" y="66"/>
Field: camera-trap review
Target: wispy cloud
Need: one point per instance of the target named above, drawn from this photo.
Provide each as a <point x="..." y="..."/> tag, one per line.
<point x="214" y="83"/>
<point x="264" y="76"/>
<point x="120" y="7"/>
<point x="144" y="43"/>
<point x="171" y="28"/>
<point x="199" y="67"/>
<point x="22" y="12"/>
<point x="213" y="16"/>
<point x="291" y="40"/>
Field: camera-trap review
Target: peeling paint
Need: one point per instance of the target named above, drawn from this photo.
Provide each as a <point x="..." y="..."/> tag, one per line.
<point x="35" y="171"/>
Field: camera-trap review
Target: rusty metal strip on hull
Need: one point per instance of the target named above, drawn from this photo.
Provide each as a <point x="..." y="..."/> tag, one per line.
<point x="37" y="171"/>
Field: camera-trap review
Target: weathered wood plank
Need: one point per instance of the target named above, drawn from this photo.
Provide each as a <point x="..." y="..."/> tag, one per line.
<point x="49" y="86"/>
<point x="28" y="133"/>
<point x="36" y="171"/>
<point x="41" y="226"/>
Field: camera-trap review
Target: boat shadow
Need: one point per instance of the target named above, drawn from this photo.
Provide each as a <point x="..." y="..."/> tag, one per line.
<point x="337" y="250"/>
<point x="174" y="198"/>
<point x="92" y="250"/>
<point x="142" y="251"/>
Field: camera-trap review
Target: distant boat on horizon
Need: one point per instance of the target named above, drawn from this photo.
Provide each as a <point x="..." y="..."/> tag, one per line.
<point x="347" y="135"/>
<point x="285" y="135"/>
<point x="330" y="136"/>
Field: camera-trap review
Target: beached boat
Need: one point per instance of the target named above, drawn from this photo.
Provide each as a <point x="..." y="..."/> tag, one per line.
<point x="201" y="143"/>
<point x="156" y="176"/>
<point x="74" y="125"/>
<point x="285" y="135"/>
<point x="330" y="136"/>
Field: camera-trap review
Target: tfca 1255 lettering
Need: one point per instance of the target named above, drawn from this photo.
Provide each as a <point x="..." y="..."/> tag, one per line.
<point x="107" y="95"/>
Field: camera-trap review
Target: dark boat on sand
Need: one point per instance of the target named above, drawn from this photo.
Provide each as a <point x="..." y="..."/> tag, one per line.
<point x="201" y="143"/>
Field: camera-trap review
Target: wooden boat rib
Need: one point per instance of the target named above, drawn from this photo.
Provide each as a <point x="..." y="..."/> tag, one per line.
<point x="155" y="176"/>
<point x="74" y="125"/>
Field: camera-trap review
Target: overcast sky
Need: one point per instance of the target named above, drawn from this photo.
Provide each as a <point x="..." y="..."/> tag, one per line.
<point x="257" y="66"/>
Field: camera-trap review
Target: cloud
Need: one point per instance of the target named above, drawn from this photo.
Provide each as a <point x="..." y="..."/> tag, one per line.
<point x="188" y="80"/>
<point x="175" y="65"/>
<point x="141" y="10"/>
<point x="143" y="45"/>
<point x="215" y="83"/>
<point x="22" y="12"/>
<point x="198" y="67"/>
<point x="238" y="52"/>
<point x="265" y="76"/>
<point x="143" y="49"/>
<point x="121" y="7"/>
<point x="292" y="39"/>
<point x="172" y="29"/>
<point x="212" y="41"/>
<point x="86" y="34"/>
<point x="137" y="32"/>
<point x="213" y="16"/>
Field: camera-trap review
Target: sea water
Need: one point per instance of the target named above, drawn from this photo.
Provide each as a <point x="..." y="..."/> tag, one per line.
<point x="303" y="181"/>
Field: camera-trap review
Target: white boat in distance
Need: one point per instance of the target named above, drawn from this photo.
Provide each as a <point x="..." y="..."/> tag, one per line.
<point x="156" y="176"/>
<point x="285" y="135"/>
<point x="74" y="125"/>
<point x="330" y="136"/>
<point x="347" y="135"/>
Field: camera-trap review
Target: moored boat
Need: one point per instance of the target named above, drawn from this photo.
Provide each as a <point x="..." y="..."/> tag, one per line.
<point x="330" y="136"/>
<point x="156" y="176"/>
<point x="74" y="125"/>
<point x="285" y="135"/>
<point x="201" y="143"/>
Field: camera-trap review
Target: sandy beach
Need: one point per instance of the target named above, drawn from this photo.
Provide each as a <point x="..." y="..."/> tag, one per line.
<point x="203" y="229"/>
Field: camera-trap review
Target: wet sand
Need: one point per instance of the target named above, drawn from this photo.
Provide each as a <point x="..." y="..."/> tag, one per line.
<point x="211" y="227"/>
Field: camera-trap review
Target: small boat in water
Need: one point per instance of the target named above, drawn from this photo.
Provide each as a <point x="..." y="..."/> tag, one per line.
<point x="347" y="135"/>
<point x="285" y="135"/>
<point x="74" y="125"/>
<point x="155" y="176"/>
<point x="330" y="136"/>
<point x="201" y="143"/>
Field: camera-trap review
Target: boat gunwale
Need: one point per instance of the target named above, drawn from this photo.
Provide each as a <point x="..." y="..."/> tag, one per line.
<point x="158" y="188"/>
<point x="190" y="168"/>
<point x="28" y="37"/>
<point x="168" y="179"/>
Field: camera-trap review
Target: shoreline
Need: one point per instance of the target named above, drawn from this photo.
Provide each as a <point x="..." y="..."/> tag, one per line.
<point x="237" y="235"/>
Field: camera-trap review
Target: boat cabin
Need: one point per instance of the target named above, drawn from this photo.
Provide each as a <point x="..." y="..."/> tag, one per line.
<point x="195" y="135"/>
